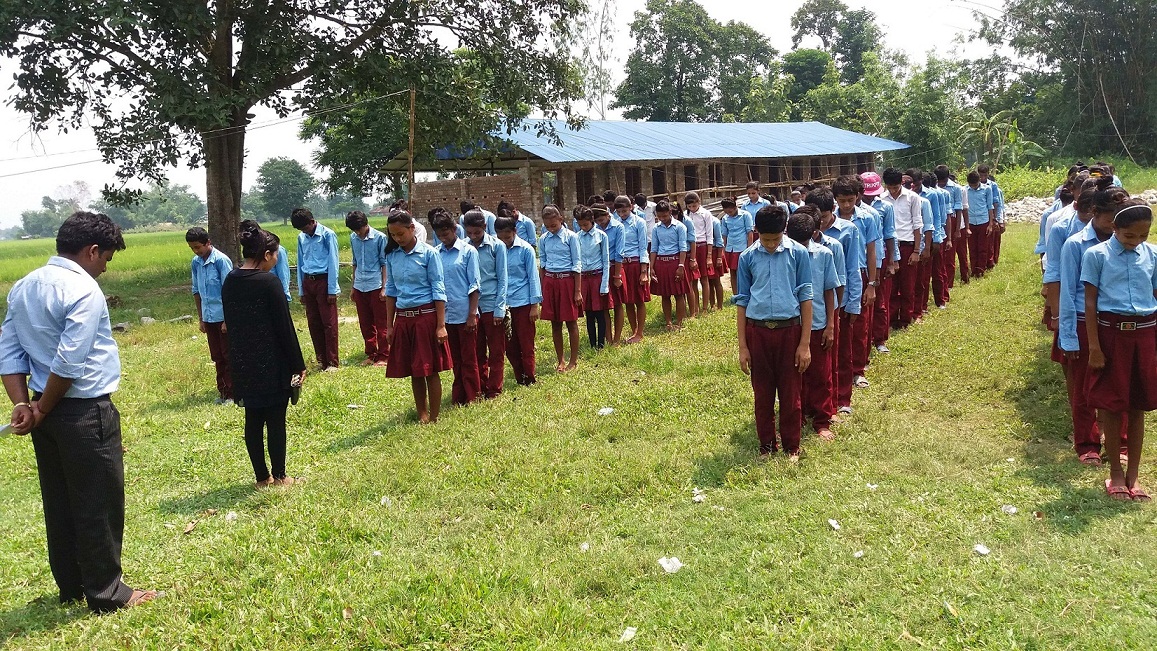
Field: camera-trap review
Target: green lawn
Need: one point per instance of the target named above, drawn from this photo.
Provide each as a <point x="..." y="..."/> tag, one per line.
<point x="481" y="543"/>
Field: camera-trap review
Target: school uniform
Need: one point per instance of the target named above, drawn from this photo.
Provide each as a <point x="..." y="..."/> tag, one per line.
<point x="700" y="221"/>
<point x="281" y="270"/>
<point x="416" y="280"/>
<point x="752" y="208"/>
<point x="208" y="276"/>
<point x="634" y="256"/>
<point x="691" y="275"/>
<point x="963" y="252"/>
<point x="817" y="397"/>
<point x="490" y="217"/>
<point x="770" y="286"/>
<point x="1044" y="219"/>
<point x="979" y="205"/>
<point x="952" y="229"/>
<point x="736" y="231"/>
<point x="316" y="282"/>
<point x="848" y="236"/>
<point x="615" y="232"/>
<point x="420" y="231"/>
<point x="941" y="208"/>
<point x="718" y="265"/>
<point x="667" y="242"/>
<point x="523" y="292"/>
<point x="924" y="280"/>
<point x="1072" y="336"/>
<point x="594" y="252"/>
<point x="885" y="256"/>
<point x="492" y="318"/>
<point x="1126" y="318"/>
<point x="909" y="223"/>
<point x="837" y="250"/>
<point x="867" y="220"/>
<point x="526" y="229"/>
<point x="560" y="261"/>
<point x="460" y="273"/>
<point x="369" y="258"/>
<point x="998" y="206"/>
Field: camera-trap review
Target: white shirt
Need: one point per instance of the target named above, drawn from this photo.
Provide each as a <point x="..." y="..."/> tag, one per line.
<point x="419" y="230"/>
<point x="906" y="208"/>
<point x="702" y="220"/>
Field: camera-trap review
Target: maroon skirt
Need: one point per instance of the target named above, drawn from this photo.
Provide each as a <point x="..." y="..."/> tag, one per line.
<point x="558" y="297"/>
<point x="706" y="269"/>
<point x="695" y="274"/>
<point x="664" y="282"/>
<point x="592" y="299"/>
<point x="414" y="349"/>
<point x="634" y="293"/>
<point x="731" y="260"/>
<point x="1129" y="379"/>
<point x="618" y="294"/>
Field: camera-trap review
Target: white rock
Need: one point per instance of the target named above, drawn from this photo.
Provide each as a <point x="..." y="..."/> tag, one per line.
<point x="377" y="553"/>
<point x="670" y="565"/>
<point x="628" y="634"/>
<point x="834" y="524"/>
<point x="386" y="501"/>
<point x="231" y="516"/>
<point x="606" y="411"/>
<point x="982" y="550"/>
<point x="699" y="498"/>
<point x="873" y="487"/>
<point x="859" y="554"/>
<point x="585" y="547"/>
<point x="1008" y="509"/>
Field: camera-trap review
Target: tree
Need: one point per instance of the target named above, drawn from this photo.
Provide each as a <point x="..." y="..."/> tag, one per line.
<point x="819" y="18"/>
<point x="162" y="82"/>
<point x="283" y="184"/>
<point x="160" y="204"/>
<point x="743" y="55"/>
<point x="596" y="56"/>
<point x="846" y="34"/>
<point x="46" y="221"/>
<point x="926" y="115"/>
<point x="809" y="69"/>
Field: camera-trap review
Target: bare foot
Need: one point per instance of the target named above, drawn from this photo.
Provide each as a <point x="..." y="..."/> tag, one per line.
<point x="560" y="367"/>
<point x="634" y="340"/>
<point x="826" y="434"/>
<point x="289" y="481"/>
<point x="424" y="419"/>
<point x="142" y="597"/>
<point x="572" y="366"/>
<point x="382" y="364"/>
<point x="367" y="362"/>
<point x="793" y="457"/>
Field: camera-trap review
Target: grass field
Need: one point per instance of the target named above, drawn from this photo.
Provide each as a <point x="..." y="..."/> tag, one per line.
<point x="532" y="522"/>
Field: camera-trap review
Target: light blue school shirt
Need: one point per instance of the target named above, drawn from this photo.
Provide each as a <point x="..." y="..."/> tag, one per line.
<point x="460" y="230"/>
<point x="559" y="252"/>
<point x="526" y="229"/>
<point x="460" y="274"/>
<point x="878" y="226"/>
<point x="415" y="278"/>
<point x="868" y="224"/>
<point x="369" y="256"/>
<point x="771" y="285"/>
<point x="208" y="276"/>
<point x="492" y="276"/>
<point x="936" y="203"/>
<point x="887" y="229"/>
<point x="57" y="322"/>
<point x="848" y="236"/>
<point x="614" y="232"/>
<point x="490" y="217"/>
<point x="594" y="249"/>
<point x="1125" y="280"/>
<point x="635" y="238"/>
<point x="979" y="203"/>
<point x="837" y="250"/>
<point x="997" y="201"/>
<point x="736" y="230"/>
<point x="1072" y="295"/>
<point x="752" y="208"/>
<point x="824" y="277"/>
<point x="1062" y="230"/>
<point x="317" y="254"/>
<point x="1044" y="220"/>
<point x="716" y="232"/>
<point x="955" y="195"/>
<point x="523" y="286"/>
<point x="690" y="226"/>
<point x="670" y="239"/>
<point x="281" y="270"/>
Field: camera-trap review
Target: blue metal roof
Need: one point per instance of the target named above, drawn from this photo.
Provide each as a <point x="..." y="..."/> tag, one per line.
<point x="609" y="140"/>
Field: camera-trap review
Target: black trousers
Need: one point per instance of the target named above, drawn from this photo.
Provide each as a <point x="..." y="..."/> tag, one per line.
<point x="268" y="414"/>
<point x="82" y="483"/>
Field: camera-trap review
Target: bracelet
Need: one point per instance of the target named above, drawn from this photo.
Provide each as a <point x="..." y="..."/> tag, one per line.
<point x="21" y="404"/>
<point x="680" y="267"/>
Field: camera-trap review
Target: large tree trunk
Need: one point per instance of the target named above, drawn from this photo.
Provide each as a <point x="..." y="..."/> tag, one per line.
<point x="224" y="164"/>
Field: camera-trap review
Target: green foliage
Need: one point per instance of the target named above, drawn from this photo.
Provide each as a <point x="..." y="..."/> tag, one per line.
<point x="46" y="221"/>
<point x="158" y="205"/>
<point x="927" y="118"/>
<point x="283" y="184"/>
<point x="847" y="34"/>
<point x="808" y="69"/>
<point x="1024" y="181"/>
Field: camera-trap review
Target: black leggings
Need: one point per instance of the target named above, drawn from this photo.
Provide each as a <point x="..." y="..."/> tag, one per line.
<point x="257" y="419"/>
<point x="597" y="328"/>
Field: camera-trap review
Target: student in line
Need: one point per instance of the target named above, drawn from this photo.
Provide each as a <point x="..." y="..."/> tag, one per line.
<point x="738" y="234"/>
<point x="523" y="297"/>
<point x="560" y="267"/>
<point x="909" y="228"/>
<point x="848" y="311"/>
<point x="816" y="397"/>
<point x="774" y="299"/>
<point x="669" y="255"/>
<point x="492" y="289"/>
<point x="368" y="248"/>
<point x="954" y="224"/>
<point x="636" y="288"/>
<point x="981" y="223"/>
<point x="614" y="225"/>
<point x="317" y="285"/>
<point x="416" y="316"/>
<point x="594" y="251"/>
<point x="459" y="263"/>
<point x="267" y="361"/>
<point x="887" y="259"/>
<point x="716" y="266"/>
<point x="847" y="191"/>
<point x="209" y="268"/>
<point x="700" y="219"/>
<point x="524" y="225"/>
<point x="691" y="271"/>
<point x="1120" y="278"/>
<point x="988" y="180"/>
<point x="913" y="180"/>
<point x="941" y="243"/>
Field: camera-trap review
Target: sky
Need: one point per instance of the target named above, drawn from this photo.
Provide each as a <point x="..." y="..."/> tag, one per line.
<point x="34" y="166"/>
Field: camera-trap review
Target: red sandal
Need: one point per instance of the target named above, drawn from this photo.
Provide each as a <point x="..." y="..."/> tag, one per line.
<point x="1117" y="492"/>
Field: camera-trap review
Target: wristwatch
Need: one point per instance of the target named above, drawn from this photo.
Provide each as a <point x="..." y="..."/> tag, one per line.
<point x="874" y="283"/>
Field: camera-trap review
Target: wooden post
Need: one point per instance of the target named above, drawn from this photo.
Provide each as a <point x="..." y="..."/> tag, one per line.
<point x="413" y="112"/>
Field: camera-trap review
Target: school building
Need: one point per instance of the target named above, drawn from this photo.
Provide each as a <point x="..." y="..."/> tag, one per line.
<point x="659" y="159"/>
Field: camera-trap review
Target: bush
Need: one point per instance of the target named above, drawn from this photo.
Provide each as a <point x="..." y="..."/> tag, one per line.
<point x="1021" y="182"/>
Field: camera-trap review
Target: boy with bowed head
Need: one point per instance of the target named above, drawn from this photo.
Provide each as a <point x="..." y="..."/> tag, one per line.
<point x="368" y="251"/>
<point x="317" y="266"/>
<point x="209" y="268"/>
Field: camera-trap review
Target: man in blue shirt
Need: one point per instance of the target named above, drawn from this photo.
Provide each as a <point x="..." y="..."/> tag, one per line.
<point x="57" y="331"/>
<point x="209" y="268"/>
<point x="523" y="296"/>
<point x="368" y="250"/>
<point x="998" y="214"/>
<point x="317" y="284"/>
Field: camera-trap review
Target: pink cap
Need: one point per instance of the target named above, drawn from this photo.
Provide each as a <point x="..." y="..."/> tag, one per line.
<point x="873" y="186"/>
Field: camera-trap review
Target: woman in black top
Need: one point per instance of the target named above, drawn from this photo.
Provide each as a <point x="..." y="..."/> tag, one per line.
<point x="267" y="362"/>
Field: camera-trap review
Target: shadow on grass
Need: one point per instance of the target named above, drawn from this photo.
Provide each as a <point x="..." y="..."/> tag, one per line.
<point x="743" y="451"/>
<point x="1042" y="404"/>
<point x="41" y="614"/>
<point x="219" y="498"/>
<point x="181" y="403"/>
<point x="365" y="437"/>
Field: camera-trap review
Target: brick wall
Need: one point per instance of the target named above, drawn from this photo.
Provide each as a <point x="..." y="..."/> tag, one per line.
<point x="486" y="191"/>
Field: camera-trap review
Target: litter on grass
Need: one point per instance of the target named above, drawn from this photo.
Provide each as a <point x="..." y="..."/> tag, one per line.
<point x="585" y="547"/>
<point x="353" y="406"/>
<point x="982" y="550"/>
<point x="873" y="487"/>
<point x="859" y="554"/>
<point x="670" y="565"/>
<point x="1008" y="509"/>
<point x="834" y="524"/>
<point x="606" y="411"/>
<point x="719" y="508"/>
<point x="377" y="553"/>
<point x="231" y="516"/>
<point x="386" y="501"/>
<point x="628" y="634"/>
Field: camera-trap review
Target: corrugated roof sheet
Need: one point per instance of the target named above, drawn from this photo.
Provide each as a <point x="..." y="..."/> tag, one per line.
<point x="609" y="140"/>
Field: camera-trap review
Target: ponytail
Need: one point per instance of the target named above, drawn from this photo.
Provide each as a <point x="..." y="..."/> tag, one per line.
<point x="255" y="242"/>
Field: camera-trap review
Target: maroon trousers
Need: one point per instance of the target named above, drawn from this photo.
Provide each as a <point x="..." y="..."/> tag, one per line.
<point x="1086" y="433"/>
<point x="978" y="248"/>
<point x="950" y="263"/>
<point x="219" y="352"/>
<point x="962" y="247"/>
<point x="882" y="312"/>
<point x="773" y="373"/>
<point x="492" y="354"/>
<point x="816" y="389"/>
<point x="372" y="321"/>
<point x="923" y="287"/>
<point x="843" y="386"/>
<point x="862" y="334"/>
<point x="520" y="345"/>
<point x="939" y="276"/>
<point x="904" y="287"/>
<point x="994" y="248"/>
<point x="464" y="360"/>
<point x="321" y="317"/>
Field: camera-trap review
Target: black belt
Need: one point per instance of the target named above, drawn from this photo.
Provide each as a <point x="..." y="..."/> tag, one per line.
<point x="36" y="395"/>
<point x="596" y="272"/>
<point x="315" y="276"/>
<point x="773" y="324"/>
